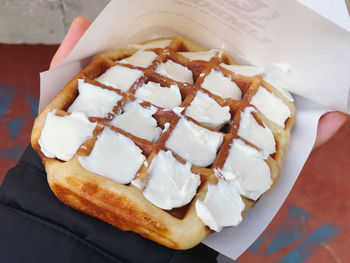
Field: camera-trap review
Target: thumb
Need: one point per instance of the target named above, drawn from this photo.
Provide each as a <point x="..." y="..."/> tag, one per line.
<point x="75" y="32"/>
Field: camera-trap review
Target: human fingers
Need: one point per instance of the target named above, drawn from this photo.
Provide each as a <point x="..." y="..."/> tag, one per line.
<point x="75" y="32"/>
<point x="328" y="125"/>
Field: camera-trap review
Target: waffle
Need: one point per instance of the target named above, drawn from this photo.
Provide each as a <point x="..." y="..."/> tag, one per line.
<point x="78" y="183"/>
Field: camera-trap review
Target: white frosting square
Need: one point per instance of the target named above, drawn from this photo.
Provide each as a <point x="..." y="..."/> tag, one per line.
<point x="162" y="43"/>
<point x="94" y="101"/>
<point x="222" y="206"/>
<point x="207" y="111"/>
<point x="271" y="106"/>
<point x="199" y="55"/>
<point x="194" y="143"/>
<point x="120" y="77"/>
<point x="138" y="121"/>
<point x="165" y="97"/>
<point x="175" y="71"/>
<point x="221" y="85"/>
<point x="277" y="84"/>
<point x="244" y="70"/>
<point x="250" y="130"/>
<point x="114" y="156"/>
<point x="171" y="183"/>
<point x="248" y="166"/>
<point x="140" y="59"/>
<point x="62" y="135"/>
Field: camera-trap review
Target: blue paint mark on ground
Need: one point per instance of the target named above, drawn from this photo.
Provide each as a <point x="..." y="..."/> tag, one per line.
<point x="283" y="238"/>
<point x="6" y="96"/>
<point x="298" y="212"/>
<point x="15" y="126"/>
<point x="290" y="231"/>
<point x="33" y="102"/>
<point x="255" y="246"/>
<point x="12" y="154"/>
<point x="304" y="250"/>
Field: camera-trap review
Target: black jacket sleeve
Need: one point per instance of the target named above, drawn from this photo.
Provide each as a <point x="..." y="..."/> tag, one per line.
<point x="36" y="227"/>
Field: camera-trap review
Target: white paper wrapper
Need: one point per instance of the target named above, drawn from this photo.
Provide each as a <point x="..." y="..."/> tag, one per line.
<point x="289" y="41"/>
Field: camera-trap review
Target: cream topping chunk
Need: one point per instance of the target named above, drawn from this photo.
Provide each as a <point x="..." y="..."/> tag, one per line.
<point x="114" y="156"/>
<point x="171" y="183"/>
<point x="250" y="130"/>
<point x="165" y="97"/>
<point x="199" y="55"/>
<point x="94" y="101"/>
<point x="248" y="166"/>
<point x="163" y="43"/>
<point x="221" y="85"/>
<point x="139" y="183"/>
<point x="272" y="107"/>
<point x="175" y="71"/>
<point x="248" y="71"/>
<point x="207" y="111"/>
<point x="178" y="110"/>
<point x="138" y="121"/>
<point x="120" y="77"/>
<point x="194" y="143"/>
<point x="222" y="205"/>
<point x="280" y="86"/>
<point x="62" y="135"/>
<point x="140" y="59"/>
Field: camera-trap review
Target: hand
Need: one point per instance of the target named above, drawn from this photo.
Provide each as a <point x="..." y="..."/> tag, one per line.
<point x="75" y="32"/>
<point x="328" y="125"/>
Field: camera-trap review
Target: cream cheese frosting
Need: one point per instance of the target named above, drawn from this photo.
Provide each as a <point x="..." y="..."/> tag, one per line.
<point x="138" y="121"/>
<point x="165" y="97"/>
<point x="222" y="86"/>
<point x="250" y="130"/>
<point x="171" y="184"/>
<point x="162" y="43"/>
<point x="222" y="206"/>
<point x="194" y="143"/>
<point x="199" y="55"/>
<point x="244" y="70"/>
<point x="178" y="110"/>
<point x="140" y="59"/>
<point x="175" y="71"/>
<point x="93" y="100"/>
<point x="248" y="166"/>
<point x="114" y="156"/>
<point x="272" y="107"/>
<point x="62" y="135"/>
<point x="207" y="111"/>
<point x="279" y="86"/>
<point x="120" y="77"/>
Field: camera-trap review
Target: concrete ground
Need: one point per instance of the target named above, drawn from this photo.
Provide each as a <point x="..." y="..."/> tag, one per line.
<point x="42" y="21"/>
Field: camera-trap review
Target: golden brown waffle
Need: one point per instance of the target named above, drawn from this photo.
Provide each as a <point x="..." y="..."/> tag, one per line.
<point x="124" y="205"/>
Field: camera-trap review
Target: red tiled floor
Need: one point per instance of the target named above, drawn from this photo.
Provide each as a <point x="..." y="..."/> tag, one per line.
<point x="313" y="225"/>
<point x="19" y="95"/>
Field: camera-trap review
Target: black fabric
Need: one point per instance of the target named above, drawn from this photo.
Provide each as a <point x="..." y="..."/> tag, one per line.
<point x="36" y="227"/>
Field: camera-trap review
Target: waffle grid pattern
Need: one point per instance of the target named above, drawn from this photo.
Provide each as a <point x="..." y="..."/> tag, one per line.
<point x="199" y="69"/>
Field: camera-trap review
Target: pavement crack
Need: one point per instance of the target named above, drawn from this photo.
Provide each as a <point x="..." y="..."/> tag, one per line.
<point x="63" y="15"/>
